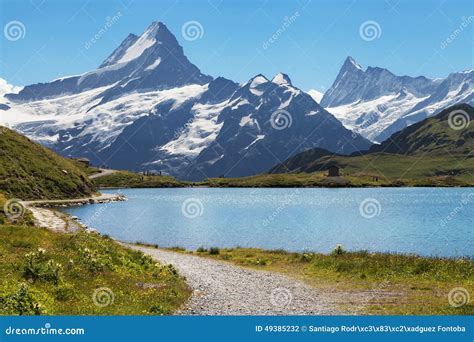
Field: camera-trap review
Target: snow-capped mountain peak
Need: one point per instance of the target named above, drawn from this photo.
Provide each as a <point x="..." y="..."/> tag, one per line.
<point x="356" y="84"/>
<point x="257" y="80"/>
<point x="377" y="103"/>
<point x="350" y="64"/>
<point x="281" y="79"/>
<point x="153" y="60"/>
<point x="133" y="47"/>
<point x="118" y="53"/>
<point x="316" y="95"/>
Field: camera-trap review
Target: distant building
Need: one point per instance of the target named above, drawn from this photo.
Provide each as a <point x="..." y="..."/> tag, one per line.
<point x="333" y="171"/>
<point x="84" y="161"/>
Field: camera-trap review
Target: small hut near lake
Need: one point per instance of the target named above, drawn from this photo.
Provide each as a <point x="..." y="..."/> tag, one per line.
<point x="333" y="171"/>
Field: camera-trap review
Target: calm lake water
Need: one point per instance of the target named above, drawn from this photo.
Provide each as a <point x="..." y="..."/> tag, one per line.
<point x="425" y="221"/>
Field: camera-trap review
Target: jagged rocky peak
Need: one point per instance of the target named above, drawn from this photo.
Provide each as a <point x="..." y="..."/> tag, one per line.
<point x="355" y="84"/>
<point x="281" y="79"/>
<point x="351" y="64"/>
<point x="120" y="50"/>
<point x="134" y="46"/>
<point x="257" y="80"/>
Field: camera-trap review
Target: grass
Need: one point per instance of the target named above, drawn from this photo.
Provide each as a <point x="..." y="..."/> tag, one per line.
<point x="126" y="179"/>
<point x="48" y="273"/>
<point x="373" y="170"/>
<point x="401" y="284"/>
<point x="31" y="171"/>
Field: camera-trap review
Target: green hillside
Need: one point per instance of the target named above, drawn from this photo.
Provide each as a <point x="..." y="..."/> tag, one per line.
<point x="429" y="153"/>
<point x="449" y="132"/>
<point x="31" y="171"/>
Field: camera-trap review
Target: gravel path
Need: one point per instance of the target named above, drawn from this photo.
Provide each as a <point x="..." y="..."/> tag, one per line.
<point x="224" y="289"/>
<point x="102" y="173"/>
<point x="54" y="220"/>
<point x="102" y="198"/>
<point x="58" y="221"/>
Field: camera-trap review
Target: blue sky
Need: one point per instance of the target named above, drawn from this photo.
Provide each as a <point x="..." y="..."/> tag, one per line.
<point x="410" y="36"/>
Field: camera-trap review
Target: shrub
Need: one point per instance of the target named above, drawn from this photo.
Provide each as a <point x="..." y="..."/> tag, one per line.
<point x="157" y="309"/>
<point x="22" y="302"/>
<point x="214" y="251"/>
<point x="338" y="250"/>
<point x="92" y="262"/>
<point x="52" y="272"/>
<point x="64" y="293"/>
<point x="422" y="267"/>
<point x="201" y="250"/>
<point x="306" y="257"/>
<point x="39" y="267"/>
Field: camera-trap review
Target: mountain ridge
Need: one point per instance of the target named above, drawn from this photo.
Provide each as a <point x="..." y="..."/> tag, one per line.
<point x="377" y="103"/>
<point x="148" y="108"/>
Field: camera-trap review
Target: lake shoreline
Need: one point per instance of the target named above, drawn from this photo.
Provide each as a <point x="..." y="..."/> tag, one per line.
<point x="377" y="283"/>
<point x="125" y="179"/>
<point x="305" y="219"/>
